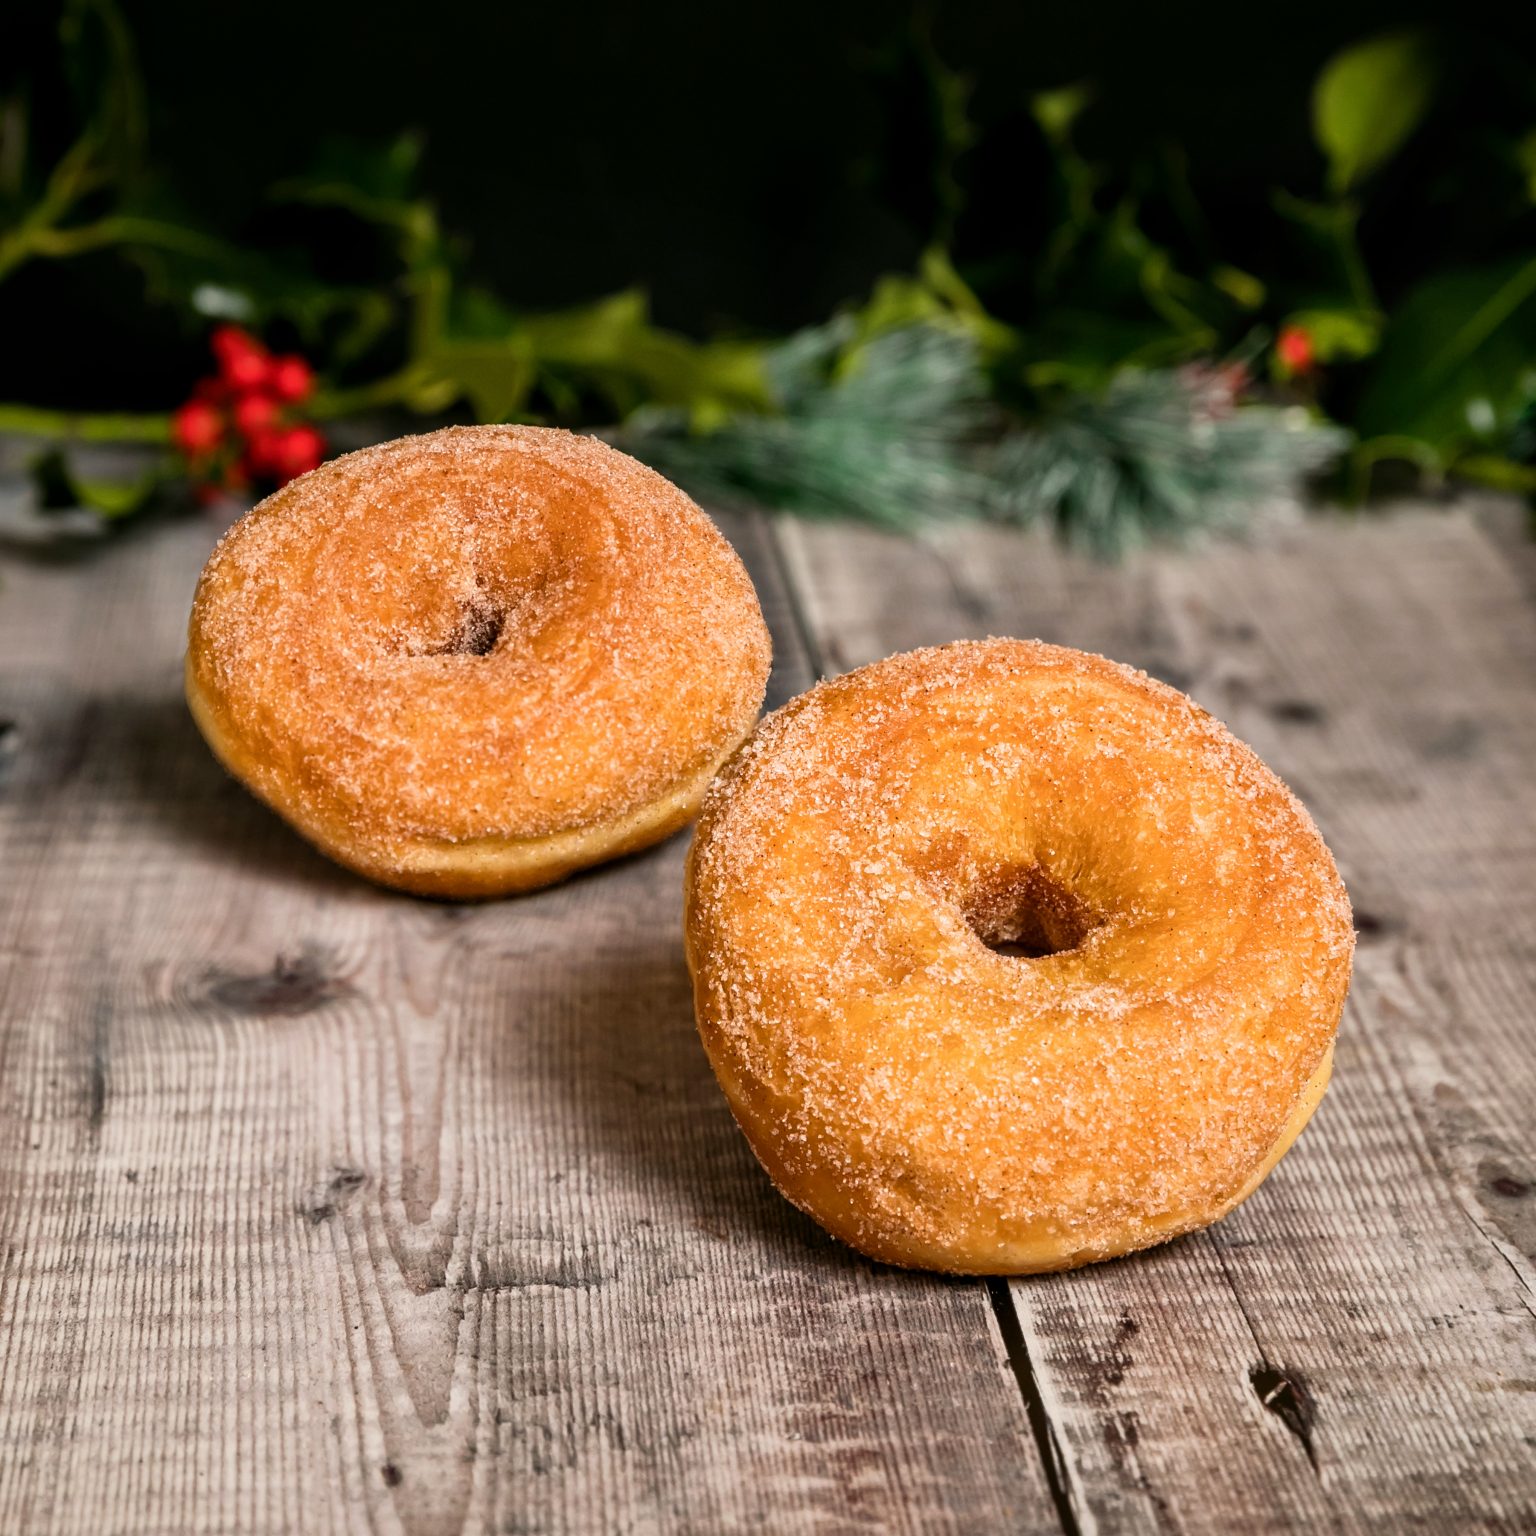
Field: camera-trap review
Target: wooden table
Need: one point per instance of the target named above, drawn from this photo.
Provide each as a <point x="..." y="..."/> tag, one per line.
<point x="323" y="1208"/>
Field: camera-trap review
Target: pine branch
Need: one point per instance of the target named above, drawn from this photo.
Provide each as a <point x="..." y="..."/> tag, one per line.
<point x="881" y="431"/>
<point x="1157" y="457"/>
<point x="892" y="432"/>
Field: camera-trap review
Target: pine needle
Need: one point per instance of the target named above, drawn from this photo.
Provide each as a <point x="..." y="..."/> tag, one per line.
<point x="895" y="431"/>
<point x="1157" y="457"/>
<point x="882" y="431"/>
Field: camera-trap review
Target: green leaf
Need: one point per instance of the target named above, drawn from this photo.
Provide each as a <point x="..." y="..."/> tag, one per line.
<point x="212" y="279"/>
<point x="496" y="377"/>
<point x="1525" y="159"/>
<point x="375" y="183"/>
<point x="59" y="487"/>
<point x="936" y="296"/>
<point x="1082" y="349"/>
<point x="898" y="300"/>
<point x="1120" y="301"/>
<point x="608" y="350"/>
<point x="1368" y="100"/>
<point x="344" y="169"/>
<point x="1501" y="474"/>
<point x="919" y="107"/>
<point x="1331" y="229"/>
<point x="1110" y="295"/>
<point x="1339" y="334"/>
<point x="612" y="347"/>
<point x="1458" y="362"/>
<point x="1056" y="111"/>
<point x="1243" y="288"/>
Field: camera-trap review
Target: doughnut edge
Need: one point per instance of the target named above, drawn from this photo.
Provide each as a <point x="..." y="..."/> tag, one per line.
<point x="478" y="869"/>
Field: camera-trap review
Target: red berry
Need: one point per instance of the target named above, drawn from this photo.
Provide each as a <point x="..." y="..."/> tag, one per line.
<point x="261" y="452"/>
<point x="246" y="371"/>
<point x="255" y="414"/>
<point x="291" y="378"/>
<point x="1295" y="349"/>
<point x="243" y="362"/>
<point x="197" y="427"/>
<point x="295" y="451"/>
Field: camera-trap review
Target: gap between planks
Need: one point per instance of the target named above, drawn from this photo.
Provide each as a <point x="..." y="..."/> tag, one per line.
<point x="1004" y="1311"/>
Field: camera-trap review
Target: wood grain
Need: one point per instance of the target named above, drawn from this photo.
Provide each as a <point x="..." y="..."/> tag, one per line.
<point x="326" y="1209"/>
<point x="1354" y="1348"/>
<point x="322" y="1208"/>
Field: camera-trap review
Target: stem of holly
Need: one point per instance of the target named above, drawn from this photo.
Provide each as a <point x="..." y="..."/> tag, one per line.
<point x="84" y="426"/>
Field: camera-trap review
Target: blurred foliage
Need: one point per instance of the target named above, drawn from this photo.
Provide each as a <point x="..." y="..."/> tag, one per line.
<point x="1457" y="367"/>
<point x="872" y="416"/>
<point x="1109" y="296"/>
<point x="1157" y="456"/>
<point x="1084" y="398"/>
<point x="928" y="134"/>
<point x="60" y="487"/>
<point x="1367" y="102"/>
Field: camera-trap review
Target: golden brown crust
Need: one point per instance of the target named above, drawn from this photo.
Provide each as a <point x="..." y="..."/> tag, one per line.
<point x="474" y="661"/>
<point x="936" y="1103"/>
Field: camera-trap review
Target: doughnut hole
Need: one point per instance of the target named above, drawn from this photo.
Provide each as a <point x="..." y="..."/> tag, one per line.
<point x="480" y="623"/>
<point x="1024" y="913"/>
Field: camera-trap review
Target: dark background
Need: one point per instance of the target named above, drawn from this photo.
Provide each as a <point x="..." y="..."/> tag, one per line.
<point x="753" y="166"/>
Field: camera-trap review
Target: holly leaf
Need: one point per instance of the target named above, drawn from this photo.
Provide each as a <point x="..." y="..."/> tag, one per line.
<point x="375" y="183"/>
<point x="1457" y="366"/>
<point x="499" y="359"/>
<point x="612" y="347"/>
<point x="1525" y="160"/>
<point x="1083" y="349"/>
<point x="1243" y="288"/>
<point x="212" y="279"/>
<point x="1368" y="100"/>
<point x="1111" y="295"/>
<point x="495" y="374"/>
<point x="1057" y="111"/>
<point x="1339" y="334"/>
<point x="58" y="487"/>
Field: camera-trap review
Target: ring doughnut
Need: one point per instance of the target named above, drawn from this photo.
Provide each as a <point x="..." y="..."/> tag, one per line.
<point x="474" y="661"/>
<point x="1009" y="958"/>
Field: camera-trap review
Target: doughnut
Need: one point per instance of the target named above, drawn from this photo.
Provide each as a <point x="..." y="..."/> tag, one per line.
<point x="475" y="661"/>
<point x="1010" y="958"/>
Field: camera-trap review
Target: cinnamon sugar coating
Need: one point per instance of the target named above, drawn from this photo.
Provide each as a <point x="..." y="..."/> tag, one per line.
<point x="1160" y="1032"/>
<point x="474" y="660"/>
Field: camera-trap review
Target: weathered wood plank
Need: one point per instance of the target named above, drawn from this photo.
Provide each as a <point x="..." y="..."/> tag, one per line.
<point x="323" y="1208"/>
<point x="1354" y="1347"/>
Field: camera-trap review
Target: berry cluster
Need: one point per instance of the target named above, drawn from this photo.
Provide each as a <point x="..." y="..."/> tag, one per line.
<point x="242" y="426"/>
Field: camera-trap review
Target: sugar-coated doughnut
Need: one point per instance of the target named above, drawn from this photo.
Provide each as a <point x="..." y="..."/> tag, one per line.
<point x="475" y="661"/>
<point x="1009" y="958"/>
